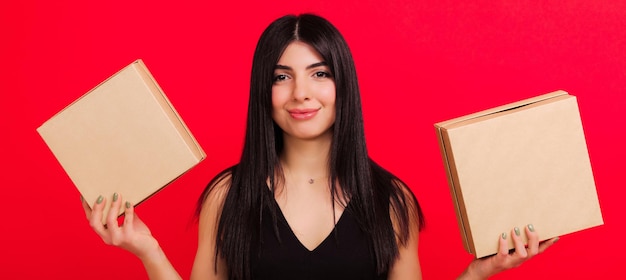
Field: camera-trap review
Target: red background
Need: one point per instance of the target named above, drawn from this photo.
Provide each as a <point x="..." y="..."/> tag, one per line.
<point x="418" y="63"/>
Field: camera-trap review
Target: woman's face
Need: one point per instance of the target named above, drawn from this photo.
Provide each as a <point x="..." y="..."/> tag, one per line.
<point x="303" y="93"/>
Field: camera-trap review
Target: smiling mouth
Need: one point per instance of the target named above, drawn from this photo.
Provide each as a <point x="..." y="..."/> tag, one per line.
<point x="303" y="114"/>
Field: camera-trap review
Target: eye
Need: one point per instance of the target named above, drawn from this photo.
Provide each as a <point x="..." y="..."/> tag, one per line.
<point x="322" y="74"/>
<point x="280" y="77"/>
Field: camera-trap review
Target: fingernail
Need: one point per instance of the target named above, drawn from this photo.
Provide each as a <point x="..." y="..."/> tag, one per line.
<point x="556" y="239"/>
<point x="82" y="198"/>
<point x="115" y="195"/>
<point x="517" y="232"/>
<point x="504" y="235"/>
<point x="127" y="204"/>
<point x="100" y="198"/>
<point x="531" y="228"/>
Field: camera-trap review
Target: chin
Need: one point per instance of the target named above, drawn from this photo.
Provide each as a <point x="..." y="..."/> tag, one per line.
<point x="321" y="135"/>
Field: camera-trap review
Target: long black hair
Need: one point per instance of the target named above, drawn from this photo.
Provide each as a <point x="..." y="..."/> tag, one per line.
<point x="372" y="191"/>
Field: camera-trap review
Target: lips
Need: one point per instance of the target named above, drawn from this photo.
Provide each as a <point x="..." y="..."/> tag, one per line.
<point x="303" y="114"/>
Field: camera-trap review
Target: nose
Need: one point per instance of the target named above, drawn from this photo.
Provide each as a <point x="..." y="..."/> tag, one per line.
<point x="300" y="91"/>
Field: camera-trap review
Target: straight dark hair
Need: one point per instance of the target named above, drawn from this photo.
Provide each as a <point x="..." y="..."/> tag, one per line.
<point x="372" y="191"/>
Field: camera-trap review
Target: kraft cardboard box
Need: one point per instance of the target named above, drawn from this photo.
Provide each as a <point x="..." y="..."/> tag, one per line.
<point x="518" y="164"/>
<point x="122" y="136"/>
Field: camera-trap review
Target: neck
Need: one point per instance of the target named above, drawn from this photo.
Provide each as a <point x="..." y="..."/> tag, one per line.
<point x="304" y="160"/>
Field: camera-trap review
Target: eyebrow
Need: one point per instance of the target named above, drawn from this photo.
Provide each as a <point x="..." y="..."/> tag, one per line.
<point x="284" y="67"/>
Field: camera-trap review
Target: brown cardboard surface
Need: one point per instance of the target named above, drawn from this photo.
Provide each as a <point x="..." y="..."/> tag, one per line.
<point x="123" y="136"/>
<point x="518" y="164"/>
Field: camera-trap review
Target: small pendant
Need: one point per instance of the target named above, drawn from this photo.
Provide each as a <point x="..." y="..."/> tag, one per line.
<point x="311" y="181"/>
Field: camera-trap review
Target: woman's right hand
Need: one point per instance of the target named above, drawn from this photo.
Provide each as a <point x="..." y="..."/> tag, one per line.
<point x="132" y="235"/>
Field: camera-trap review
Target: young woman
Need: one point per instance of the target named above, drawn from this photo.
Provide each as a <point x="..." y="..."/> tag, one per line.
<point x="305" y="200"/>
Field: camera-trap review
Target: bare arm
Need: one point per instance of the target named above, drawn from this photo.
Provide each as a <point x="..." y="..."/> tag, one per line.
<point x="407" y="265"/>
<point x="204" y="263"/>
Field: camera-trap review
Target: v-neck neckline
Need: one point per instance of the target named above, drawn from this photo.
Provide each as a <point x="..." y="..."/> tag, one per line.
<point x="293" y="234"/>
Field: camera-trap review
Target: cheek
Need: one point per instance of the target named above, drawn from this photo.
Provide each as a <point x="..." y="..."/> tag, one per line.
<point x="328" y="95"/>
<point x="278" y="97"/>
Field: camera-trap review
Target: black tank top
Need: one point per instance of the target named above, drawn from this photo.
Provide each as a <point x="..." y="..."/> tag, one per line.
<point x="346" y="253"/>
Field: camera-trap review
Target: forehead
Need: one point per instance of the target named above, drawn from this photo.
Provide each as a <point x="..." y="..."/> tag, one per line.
<point x="298" y="53"/>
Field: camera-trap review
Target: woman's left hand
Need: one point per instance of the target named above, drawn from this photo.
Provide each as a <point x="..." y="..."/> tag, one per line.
<point x="486" y="267"/>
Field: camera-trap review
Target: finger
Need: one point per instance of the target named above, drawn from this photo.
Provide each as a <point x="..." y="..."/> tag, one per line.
<point x="95" y="221"/>
<point x="498" y="262"/>
<point x="503" y="248"/>
<point x="86" y="207"/>
<point x="533" y="240"/>
<point x="546" y="244"/>
<point x="113" y="213"/>
<point x="518" y="243"/>
<point x="129" y="215"/>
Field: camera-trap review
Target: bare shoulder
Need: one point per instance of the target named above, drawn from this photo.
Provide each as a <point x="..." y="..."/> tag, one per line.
<point x="406" y="203"/>
<point x="406" y="191"/>
<point x="216" y="193"/>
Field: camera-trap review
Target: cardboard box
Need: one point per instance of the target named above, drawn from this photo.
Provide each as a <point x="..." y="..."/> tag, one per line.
<point x="123" y="136"/>
<point x="518" y="164"/>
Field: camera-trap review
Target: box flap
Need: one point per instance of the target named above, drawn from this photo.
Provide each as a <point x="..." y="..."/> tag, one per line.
<point x="502" y="108"/>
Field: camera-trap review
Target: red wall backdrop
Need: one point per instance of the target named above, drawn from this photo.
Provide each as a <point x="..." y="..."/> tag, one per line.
<point x="419" y="62"/>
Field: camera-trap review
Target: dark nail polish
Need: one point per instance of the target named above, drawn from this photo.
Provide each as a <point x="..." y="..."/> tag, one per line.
<point x="127" y="204"/>
<point x="100" y="199"/>
<point x="531" y="228"/>
<point x="115" y="196"/>
<point x="517" y="231"/>
<point x="504" y="235"/>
